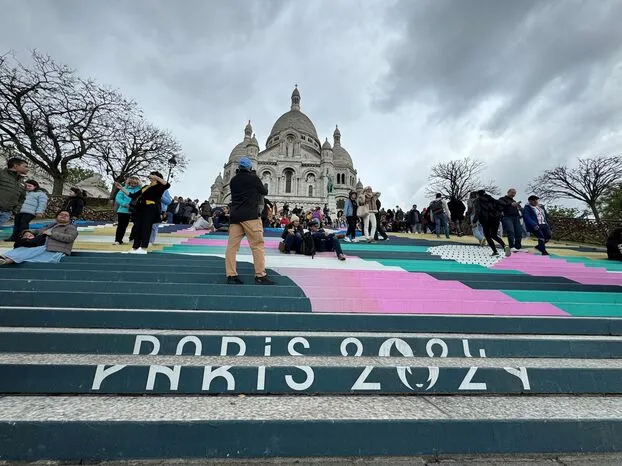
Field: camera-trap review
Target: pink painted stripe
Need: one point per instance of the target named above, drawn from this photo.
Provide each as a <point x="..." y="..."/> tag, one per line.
<point x="353" y="291"/>
<point x="360" y="305"/>
<point x="544" y="266"/>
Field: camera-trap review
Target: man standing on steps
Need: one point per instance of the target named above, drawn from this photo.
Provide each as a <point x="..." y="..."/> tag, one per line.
<point x="439" y="214"/>
<point x="246" y="192"/>
<point x="511" y="221"/>
<point x="12" y="190"/>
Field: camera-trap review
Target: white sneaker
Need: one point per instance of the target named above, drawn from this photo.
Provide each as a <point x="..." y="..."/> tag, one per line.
<point x="347" y="239"/>
<point x="515" y="250"/>
<point x="522" y="250"/>
<point x="140" y="251"/>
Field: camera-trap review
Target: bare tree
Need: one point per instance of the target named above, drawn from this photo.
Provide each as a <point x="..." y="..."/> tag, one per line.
<point x="53" y="117"/>
<point x="458" y="178"/>
<point x="136" y="148"/>
<point x="587" y="182"/>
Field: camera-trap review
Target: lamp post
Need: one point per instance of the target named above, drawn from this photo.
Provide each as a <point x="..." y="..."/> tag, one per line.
<point x="172" y="162"/>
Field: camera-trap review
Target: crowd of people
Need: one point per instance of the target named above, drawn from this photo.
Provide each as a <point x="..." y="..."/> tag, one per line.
<point x="304" y="231"/>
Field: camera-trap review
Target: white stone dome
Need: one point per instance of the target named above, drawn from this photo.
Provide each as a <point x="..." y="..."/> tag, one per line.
<point x="294" y="119"/>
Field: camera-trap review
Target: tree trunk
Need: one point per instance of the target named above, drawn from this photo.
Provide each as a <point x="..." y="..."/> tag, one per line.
<point x="599" y="223"/>
<point x="57" y="189"/>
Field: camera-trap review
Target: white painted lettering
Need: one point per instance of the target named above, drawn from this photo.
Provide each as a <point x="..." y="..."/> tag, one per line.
<point x="467" y="383"/>
<point x="172" y="374"/>
<point x="261" y="377"/>
<point x="268" y="348"/>
<point x="210" y="374"/>
<point x="146" y="338"/>
<point x="291" y="383"/>
<point x="400" y="345"/>
<point x="102" y="372"/>
<point x="351" y="341"/>
<point x="432" y="376"/>
<point x="432" y="342"/>
<point x="521" y="373"/>
<point x="297" y="341"/>
<point x="198" y="346"/>
<point x="224" y="348"/>
<point x="362" y="383"/>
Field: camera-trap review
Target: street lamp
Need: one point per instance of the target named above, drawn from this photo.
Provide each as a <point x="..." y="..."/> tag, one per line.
<point x="172" y="163"/>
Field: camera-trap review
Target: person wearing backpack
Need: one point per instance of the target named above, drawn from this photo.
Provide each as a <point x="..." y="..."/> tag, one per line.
<point x="439" y="215"/>
<point x="323" y="242"/>
<point x="488" y="213"/>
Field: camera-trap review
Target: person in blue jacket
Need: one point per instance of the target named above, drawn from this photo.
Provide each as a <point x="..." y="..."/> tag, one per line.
<point x="537" y="222"/>
<point x="122" y="200"/>
<point x="34" y="206"/>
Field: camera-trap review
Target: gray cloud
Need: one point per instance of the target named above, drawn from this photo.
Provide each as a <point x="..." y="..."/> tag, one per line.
<point x="522" y="85"/>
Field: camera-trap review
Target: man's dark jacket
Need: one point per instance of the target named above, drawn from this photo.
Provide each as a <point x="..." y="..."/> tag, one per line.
<point x="246" y="190"/>
<point x="509" y="210"/>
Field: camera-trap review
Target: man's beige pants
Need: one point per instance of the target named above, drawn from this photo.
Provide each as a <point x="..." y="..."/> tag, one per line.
<point x="253" y="229"/>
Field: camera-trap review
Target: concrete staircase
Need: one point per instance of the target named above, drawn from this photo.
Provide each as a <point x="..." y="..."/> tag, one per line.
<point x="109" y="356"/>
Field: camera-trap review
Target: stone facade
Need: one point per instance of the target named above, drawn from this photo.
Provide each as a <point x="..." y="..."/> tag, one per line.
<point x="295" y="166"/>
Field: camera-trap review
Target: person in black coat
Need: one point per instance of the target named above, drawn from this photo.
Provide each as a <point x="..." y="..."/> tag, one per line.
<point x="246" y="192"/>
<point x="614" y="245"/>
<point x="488" y="213"/>
<point x="75" y="203"/>
<point x="146" y="207"/>
<point x="456" y="209"/>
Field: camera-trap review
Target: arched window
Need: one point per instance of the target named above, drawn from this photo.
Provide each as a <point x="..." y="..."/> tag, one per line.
<point x="265" y="185"/>
<point x="310" y="191"/>
<point x="288" y="181"/>
<point x="341" y="203"/>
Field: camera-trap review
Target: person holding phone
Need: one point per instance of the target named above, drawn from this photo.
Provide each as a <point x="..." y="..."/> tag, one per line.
<point x="146" y="209"/>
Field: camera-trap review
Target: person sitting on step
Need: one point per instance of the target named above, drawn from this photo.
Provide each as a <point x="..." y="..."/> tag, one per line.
<point x="325" y="242"/>
<point x="292" y="236"/>
<point x="57" y="239"/>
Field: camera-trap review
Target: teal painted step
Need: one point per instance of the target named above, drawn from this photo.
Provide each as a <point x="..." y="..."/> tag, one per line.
<point x="127" y="274"/>
<point x="591" y="310"/>
<point x="605" y="264"/>
<point x="293" y="436"/>
<point x="564" y="297"/>
<point x="81" y="342"/>
<point x="145" y="267"/>
<point x="443" y="266"/>
<point x="180" y="289"/>
<point x="263" y="300"/>
<point x="302" y="321"/>
<point x="328" y="380"/>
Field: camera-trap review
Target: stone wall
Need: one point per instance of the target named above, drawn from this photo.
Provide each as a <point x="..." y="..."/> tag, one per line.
<point x="96" y="208"/>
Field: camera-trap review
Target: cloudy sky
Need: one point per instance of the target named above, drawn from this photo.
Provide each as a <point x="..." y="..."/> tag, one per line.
<point x="523" y="85"/>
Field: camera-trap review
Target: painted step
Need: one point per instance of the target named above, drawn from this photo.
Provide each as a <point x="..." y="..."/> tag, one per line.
<point x="137" y="374"/>
<point x="278" y="343"/>
<point x="173" y="289"/>
<point x="301" y="321"/>
<point x="112" y="428"/>
<point x="261" y="300"/>
<point x="209" y="277"/>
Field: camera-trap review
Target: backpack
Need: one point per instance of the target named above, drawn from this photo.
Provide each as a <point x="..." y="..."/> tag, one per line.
<point x="308" y="245"/>
<point x="437" y="207"/>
